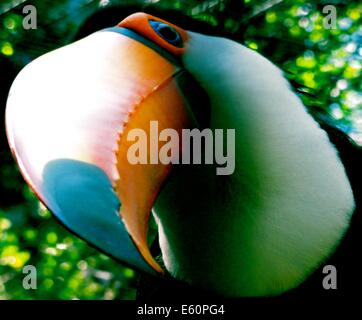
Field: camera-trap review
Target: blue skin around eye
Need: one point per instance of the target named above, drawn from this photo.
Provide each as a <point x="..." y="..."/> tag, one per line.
<point x="156" y="25"/>
<point x="80" y="195"/>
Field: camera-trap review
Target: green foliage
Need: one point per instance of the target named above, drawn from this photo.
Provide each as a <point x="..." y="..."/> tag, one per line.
<point x="67" y="268"/>
<point x="327" y="62"/>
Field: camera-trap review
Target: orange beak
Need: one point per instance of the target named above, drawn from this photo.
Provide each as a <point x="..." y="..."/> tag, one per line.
<point x="68" y="117"/>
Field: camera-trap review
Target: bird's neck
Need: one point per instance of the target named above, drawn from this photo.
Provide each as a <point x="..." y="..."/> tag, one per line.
<point x="265" y="228"/>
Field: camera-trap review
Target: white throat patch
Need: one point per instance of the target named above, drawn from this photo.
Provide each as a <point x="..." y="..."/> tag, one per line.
<point x="289" y="202"/>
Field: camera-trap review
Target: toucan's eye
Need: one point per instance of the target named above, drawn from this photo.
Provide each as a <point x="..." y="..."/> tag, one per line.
<point x="167" y="33"/>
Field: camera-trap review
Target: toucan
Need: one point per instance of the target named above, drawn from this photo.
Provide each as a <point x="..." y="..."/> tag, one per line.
<point x="291" y="206"/>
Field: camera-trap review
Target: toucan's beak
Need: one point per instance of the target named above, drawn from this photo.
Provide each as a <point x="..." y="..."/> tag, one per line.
<point x="68" y="115"/>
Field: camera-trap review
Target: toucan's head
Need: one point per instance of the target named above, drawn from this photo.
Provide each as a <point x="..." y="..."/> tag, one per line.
<point x="79" y="117"/>
<point x="68" y="117"/>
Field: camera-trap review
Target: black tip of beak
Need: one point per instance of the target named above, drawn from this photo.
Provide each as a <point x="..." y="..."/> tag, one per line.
<point x="81" y="196"/>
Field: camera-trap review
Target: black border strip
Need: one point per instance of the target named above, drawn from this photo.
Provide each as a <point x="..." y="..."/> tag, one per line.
<point x="136" y="36"/>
